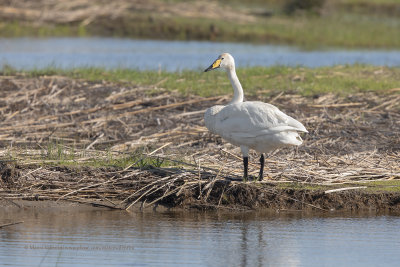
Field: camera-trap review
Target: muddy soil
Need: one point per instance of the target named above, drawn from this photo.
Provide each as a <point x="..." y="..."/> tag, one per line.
<point x="352" y="141"/>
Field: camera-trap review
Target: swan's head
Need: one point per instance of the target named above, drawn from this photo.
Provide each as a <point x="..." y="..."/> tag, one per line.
<point x="224" y="61"/>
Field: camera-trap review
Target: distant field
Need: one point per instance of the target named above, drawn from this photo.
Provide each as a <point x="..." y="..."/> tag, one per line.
<point x="340" y="23"/>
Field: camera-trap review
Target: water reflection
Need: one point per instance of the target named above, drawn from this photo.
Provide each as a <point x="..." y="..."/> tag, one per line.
<point x="65" y="236"/>
<point x="28" y="53"/>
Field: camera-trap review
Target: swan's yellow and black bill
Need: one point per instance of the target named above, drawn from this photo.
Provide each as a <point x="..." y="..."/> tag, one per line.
<point x="215" y="65"/>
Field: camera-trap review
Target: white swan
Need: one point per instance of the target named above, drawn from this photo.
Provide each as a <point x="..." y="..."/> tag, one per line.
<point x="251" y="124"/>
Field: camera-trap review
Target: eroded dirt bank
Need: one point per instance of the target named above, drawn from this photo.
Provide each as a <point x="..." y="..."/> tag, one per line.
<point x="179" y="188"/>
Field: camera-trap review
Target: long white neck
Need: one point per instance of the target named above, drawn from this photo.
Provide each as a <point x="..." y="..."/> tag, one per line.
<point x="237" y="87"/>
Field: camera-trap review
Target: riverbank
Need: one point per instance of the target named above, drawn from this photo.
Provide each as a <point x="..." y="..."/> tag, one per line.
<point x="165" y="188"/>
<point x="346" y="24"/>
<point x="119" y="143"/>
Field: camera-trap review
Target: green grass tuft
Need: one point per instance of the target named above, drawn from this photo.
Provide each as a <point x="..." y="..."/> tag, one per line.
<point x="58" y="154"/>
<point x="372" y="186"/>
<point x="342" y="80"/>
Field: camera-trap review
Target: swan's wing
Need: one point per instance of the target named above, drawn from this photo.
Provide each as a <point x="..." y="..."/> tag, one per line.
<point x="211" y="118"/>
<point x="251" y="119"/>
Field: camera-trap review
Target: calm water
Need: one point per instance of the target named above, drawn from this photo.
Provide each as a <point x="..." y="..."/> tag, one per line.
<point x="28" y="53"/>
<point x="62" y="237"/>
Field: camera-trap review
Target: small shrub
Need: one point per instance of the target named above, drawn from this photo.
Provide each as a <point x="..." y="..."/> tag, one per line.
<point x="311" y="6"/>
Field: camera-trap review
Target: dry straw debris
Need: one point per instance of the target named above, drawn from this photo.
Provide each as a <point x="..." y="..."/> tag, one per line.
<point x="352" y="139"/>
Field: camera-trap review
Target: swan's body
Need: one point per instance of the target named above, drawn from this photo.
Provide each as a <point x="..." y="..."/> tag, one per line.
<point x="251" y="124"/>
<point x="256" y="125"/>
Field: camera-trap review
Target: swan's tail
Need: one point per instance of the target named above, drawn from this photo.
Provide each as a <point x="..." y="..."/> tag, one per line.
<point x="291" y="138"/>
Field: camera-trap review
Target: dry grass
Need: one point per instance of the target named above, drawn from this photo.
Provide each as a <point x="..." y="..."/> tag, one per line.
<point x="352" y="139"/>
<point x="87" y="11"/>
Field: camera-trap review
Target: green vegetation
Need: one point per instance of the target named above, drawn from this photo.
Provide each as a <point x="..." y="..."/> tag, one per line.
<point x="339" y="79"/>
<point x="308" y="186"/>
<point x="19" y="29"/>
<point x="58" y="154"/>
<point x="318" y="23"/>
<point x="371" y="187"/>
<point x="309" y="32"/>
<point x="386" y="186"/>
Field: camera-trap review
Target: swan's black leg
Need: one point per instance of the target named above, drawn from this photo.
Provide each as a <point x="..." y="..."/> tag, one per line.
<point x="246" y="167"/>
<point x="260" y="175"/>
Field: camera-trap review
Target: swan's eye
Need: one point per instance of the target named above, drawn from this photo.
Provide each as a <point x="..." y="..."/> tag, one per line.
<point x="222" y="58"/>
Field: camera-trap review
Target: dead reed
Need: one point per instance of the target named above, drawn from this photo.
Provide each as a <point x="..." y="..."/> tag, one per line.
<point x="86" y="12"/>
